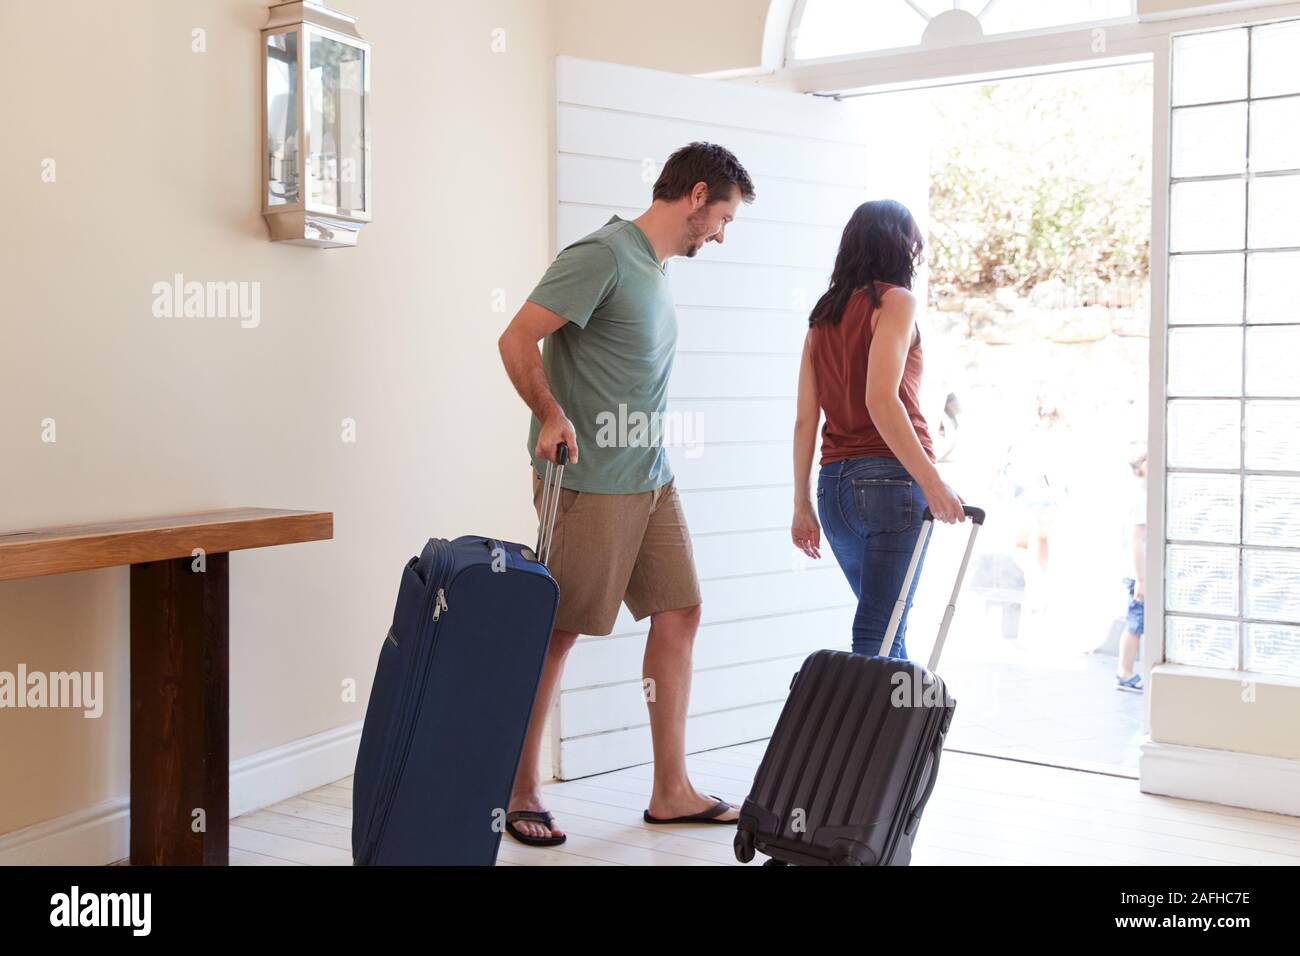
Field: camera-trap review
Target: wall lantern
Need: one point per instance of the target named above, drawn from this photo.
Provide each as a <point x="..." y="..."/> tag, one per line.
<point x="315" y="125"/>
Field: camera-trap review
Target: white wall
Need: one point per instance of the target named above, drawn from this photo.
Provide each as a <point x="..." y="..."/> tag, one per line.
<point x="157" y="172"/>
<point x="680" y="36"/>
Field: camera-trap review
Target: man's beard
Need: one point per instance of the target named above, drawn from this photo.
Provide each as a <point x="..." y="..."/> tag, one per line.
<point x="695" y="229"/>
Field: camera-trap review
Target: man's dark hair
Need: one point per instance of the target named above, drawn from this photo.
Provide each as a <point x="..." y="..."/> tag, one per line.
<point x="707" y="163"/>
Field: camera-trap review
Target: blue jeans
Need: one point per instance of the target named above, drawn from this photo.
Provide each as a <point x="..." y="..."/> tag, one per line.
<point x="870" y="510"/>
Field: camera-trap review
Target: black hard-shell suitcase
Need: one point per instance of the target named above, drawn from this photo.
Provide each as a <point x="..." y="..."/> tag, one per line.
<point x="457" y="677"/>
<point x="855" y="752"/>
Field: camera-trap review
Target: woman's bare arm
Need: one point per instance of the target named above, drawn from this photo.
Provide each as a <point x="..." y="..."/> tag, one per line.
<point x="805" y="532"/>
<point x="890" y="342"/>
<point x="807" y="417"/>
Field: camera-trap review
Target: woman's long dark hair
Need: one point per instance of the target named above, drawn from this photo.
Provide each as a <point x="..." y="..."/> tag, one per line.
<point x="880" y="244"/>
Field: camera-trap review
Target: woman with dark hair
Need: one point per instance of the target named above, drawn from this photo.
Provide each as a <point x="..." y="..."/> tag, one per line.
<point x="862" y="367"/>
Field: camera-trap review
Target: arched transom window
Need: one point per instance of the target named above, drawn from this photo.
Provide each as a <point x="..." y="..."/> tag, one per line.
<point x="838" y="27"/>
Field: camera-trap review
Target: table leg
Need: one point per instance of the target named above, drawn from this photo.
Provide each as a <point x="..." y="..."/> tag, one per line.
<point x="180" y="712"/>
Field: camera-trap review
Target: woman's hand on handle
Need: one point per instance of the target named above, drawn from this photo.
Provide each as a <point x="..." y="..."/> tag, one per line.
<point x="944" y="503"/>
<point x="805" y="532"/>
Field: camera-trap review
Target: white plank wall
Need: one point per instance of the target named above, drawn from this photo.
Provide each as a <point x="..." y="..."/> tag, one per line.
<point x="742" y="310"/>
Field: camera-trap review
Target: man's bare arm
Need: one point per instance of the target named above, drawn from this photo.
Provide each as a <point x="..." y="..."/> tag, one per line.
<point x="523" y="361"/>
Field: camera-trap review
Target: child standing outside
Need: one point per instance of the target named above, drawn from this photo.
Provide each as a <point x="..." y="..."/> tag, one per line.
<point x="1126" y="677"/>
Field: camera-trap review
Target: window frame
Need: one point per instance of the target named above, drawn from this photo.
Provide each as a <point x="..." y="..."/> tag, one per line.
<point x="1147" y="38"/>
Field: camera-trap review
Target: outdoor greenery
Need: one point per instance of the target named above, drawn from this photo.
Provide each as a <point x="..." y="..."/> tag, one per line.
<point x="1042" y="179"/>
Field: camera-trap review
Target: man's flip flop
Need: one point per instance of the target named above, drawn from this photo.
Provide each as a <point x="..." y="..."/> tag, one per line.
<point x="705" y="816"/>
<point x="538" y="816"/>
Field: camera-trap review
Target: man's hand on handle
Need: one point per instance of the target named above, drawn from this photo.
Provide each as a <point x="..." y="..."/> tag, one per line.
<point x="555" y="430"/>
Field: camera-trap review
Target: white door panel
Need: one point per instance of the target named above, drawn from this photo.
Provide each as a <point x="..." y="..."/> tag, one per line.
<point x="802" y="246"/>
<point x="742" y="317"/>
<point x="734" y="376"/>
<point x="599" y="753"/>
<point x="718" y="645"/>
<point x="732" y="466"/>
<point x="737" y="509"/>
<point x="602" y="181"/>
<point x="736" y="419"/>
<point x="705" y="329"/>
<point x="651" y="139"/>
<point x="734" y="285"/>
<point x="708" y="104"/>
<point x="594" y="710"/>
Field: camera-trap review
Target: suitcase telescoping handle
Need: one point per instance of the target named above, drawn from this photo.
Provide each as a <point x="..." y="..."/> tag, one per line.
<point x="927" y="525"/>
<point x="550" y="501"/>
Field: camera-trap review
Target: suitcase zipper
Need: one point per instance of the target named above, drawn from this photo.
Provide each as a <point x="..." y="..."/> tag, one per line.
<point x="428" y="631"/>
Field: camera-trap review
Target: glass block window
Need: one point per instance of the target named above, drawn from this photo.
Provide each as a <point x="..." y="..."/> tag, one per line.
<point x="1232" y="481"/>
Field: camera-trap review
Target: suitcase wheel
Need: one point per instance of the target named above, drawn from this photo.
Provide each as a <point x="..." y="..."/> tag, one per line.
<point x="775" y="862"/>
<point x="744" y="846"/>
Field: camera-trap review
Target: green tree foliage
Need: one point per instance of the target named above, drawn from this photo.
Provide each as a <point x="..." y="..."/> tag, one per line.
<point x="1041" y="178"/>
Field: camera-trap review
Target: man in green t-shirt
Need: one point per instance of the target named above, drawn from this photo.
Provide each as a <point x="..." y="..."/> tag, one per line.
<point x="600" y="385"/>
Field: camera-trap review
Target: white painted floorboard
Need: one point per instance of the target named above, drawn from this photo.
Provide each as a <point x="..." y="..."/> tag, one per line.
<point x="984" y="811"/>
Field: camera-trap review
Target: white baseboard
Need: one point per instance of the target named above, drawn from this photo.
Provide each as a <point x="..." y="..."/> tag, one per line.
<point x="1220" y="776"/>
<point x="88" y="837"/>
<point x="290" y="769"/>
<point x="101" y="834"/>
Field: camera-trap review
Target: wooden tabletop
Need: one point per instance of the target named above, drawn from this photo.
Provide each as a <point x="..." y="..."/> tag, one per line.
<point x="40" y="551"/>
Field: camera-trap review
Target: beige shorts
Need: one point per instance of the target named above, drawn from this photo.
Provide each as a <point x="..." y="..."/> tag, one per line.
<point x="609" y="549"/>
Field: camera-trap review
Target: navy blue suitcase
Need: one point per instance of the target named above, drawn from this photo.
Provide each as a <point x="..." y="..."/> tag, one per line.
<point x="457" y="676"/>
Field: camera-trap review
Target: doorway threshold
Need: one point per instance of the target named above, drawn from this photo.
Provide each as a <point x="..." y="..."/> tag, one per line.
<point x="1044" y="760"/>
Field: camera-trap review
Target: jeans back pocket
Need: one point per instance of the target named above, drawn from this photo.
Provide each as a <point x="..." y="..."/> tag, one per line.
<point x="884" y="505"/>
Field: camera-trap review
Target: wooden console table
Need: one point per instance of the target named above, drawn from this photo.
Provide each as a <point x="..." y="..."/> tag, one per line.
<point x="180" y="657"/>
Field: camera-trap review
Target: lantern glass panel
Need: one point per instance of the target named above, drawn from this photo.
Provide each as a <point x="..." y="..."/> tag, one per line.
<point x="282" y="143"/>
<point x="336" y="156"/>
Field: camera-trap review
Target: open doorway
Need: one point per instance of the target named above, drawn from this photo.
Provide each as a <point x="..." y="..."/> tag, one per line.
<point x="1035" y="195"/>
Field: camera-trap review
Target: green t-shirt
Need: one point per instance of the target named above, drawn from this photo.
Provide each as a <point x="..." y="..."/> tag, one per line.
<point x="609" y="366"/>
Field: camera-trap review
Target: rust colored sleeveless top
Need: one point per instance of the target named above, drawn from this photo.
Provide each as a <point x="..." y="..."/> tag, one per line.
<point x="839" y="358"/>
